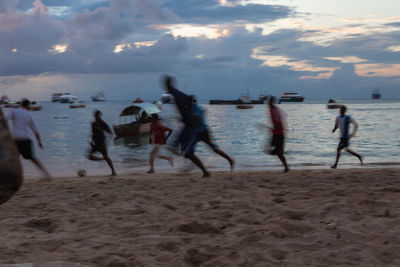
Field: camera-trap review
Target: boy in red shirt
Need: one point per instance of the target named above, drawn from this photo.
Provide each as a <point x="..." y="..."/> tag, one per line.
<point x="158" y="139"/>
<point x="278" y="132"/>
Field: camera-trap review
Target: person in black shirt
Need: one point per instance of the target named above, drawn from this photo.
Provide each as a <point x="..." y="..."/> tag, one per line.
<point x="99" y="140"/>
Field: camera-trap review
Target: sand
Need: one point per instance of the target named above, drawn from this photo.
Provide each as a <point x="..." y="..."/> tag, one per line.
<point x="303" y="218"/>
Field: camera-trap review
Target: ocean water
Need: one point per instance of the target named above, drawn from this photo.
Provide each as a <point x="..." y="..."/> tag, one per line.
<point x="240" y="133"/>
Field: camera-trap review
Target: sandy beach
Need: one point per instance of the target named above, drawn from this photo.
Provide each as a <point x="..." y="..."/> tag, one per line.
<point x="303" y="218"/>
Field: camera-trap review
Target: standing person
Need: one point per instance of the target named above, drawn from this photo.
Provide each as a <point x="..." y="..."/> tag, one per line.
<point x="158" y="139"/>
<point x="188" y="136"/>
<point x="99" y="140"/>
<point x="343" y="122"/>
<point x="278" y="132"/>
<point x="10" y="167"/>
<point x="23" y="124"/>
<point x="204" y="134"/>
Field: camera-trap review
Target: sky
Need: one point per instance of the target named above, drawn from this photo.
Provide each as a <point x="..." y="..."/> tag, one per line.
<point x="216" y="49"/>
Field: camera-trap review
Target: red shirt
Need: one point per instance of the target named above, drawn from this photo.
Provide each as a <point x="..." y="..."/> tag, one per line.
<point x="158" y="133"/>
<point x="277" y="121"/>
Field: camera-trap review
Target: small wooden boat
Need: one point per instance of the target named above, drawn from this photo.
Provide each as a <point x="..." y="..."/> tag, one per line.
<point x="135" y="120"/>
<point x="138" y="100"/>
<point x="81" y="104"/>
<point x="334" y="104"/>
<point x="36" y="108"/>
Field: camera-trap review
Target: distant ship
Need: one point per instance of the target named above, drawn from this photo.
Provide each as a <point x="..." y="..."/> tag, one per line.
<point x="56" y="97"/>
<point x="376" y="94"/>
<point x="68" y="98"/>
<point x="99" y="97"/>
<point x="291" y="97"/>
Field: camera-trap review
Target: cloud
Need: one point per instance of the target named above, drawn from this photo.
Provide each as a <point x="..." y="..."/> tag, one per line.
<point x="211" y="11"/>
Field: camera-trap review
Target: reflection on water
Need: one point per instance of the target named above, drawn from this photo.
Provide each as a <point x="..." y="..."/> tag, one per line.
<point x="66" y="134"/>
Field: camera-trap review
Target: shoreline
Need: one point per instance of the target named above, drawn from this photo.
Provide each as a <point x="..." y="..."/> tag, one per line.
<point x="261" y="218"/>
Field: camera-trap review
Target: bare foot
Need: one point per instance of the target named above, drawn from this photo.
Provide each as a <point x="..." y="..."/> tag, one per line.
<point x="334" y="166"/>
<point x="150" y="171"/>
<point x="206" y="174"/>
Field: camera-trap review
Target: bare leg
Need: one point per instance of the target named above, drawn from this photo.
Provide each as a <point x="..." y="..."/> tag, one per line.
<point x="356" y="155"/>
<point x="110" y="164"/>
<point x="170" y="159"/>
<point x="334" y="166"/>
<point x="153" y="155"/>
<point x="283" y="160"/>
<point x="41" y="167"/>
<point x="219" y="151"/>
<point x="198" y="163"/>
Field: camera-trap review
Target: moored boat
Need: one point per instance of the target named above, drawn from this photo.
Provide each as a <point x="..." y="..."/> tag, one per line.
<point x="56" y="97"/>
<point x="68" y="98"/>
<point x="167" y="99"/>
<point x="138" y="100"/>
<point x="291" y="97"/>
<point x="376" y="94"/>
<point x="245" y="102"/>
<point x="98" y="97"/>
<point x="135" y="120"/>
<point x="80" y="104"/>
<point x="333" y="104"/>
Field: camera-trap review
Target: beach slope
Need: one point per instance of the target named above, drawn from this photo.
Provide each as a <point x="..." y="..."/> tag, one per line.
<point x="303" y="218"/>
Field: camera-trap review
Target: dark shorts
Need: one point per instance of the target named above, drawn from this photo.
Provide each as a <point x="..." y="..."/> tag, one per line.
<point x="25" y="148"/>
<point x="99" y="146"/>
<point x="205" y="137"/>
<point x="277" y="143"/>
<point x="188" y="140"/>
<point x="344" y="142"/>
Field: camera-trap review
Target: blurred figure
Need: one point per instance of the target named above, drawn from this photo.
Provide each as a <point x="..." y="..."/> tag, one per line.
<point x="204" y="134"/>
<point x="278" y="132"/>
<point x="187" y="138"/>
<point x="343" y="122"/>
<point x="10" y="166"/>
<point x="23" y="124"/>
<point x="99" y="140"/>
<point x="158" y="139"/>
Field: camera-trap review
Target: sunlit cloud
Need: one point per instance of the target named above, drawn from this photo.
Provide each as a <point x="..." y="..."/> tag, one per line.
<point x="295" y="65"/>
<point x="144" y="44"/>
<point x="319" y="76"/>
<point x="121" y="47"/>
<point x="393" y="48"/>
<point x="58" y="48"/>
<point x="348" y="59"/>
<point x="200" y="56"/>
<point x="378" y="69"/>
<point x="227" y="3"/>
<point x="192" y="30"/>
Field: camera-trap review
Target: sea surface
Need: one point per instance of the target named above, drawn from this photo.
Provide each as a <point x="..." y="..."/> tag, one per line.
<point x="240" y="133"/>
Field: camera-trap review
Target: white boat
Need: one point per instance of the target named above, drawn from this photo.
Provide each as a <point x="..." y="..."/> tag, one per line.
<point x="56" y="97"/>
<point x="167" y="99"/>
<point x="99" y="97"/>
<point x="244" y="102"/>
<point x="4" y="99"/>
<point x="291" y="97"/>
<point x="68" y="98"/>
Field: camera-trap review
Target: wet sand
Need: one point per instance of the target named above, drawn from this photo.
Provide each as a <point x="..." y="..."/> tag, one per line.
<point x="304" y="218"/>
